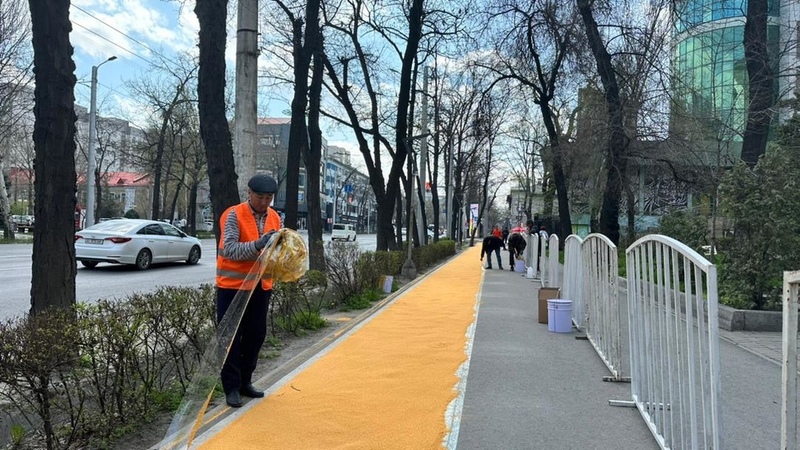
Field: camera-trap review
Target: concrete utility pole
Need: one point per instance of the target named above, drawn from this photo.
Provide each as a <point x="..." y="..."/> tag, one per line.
<point x="90" y="158"/>
<point x="245" y="122"/>
<point x="422" y="227"/>
<point x="449" y="190"/>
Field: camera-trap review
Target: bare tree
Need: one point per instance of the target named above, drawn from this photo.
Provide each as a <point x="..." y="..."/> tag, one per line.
<point x="53" y="271"/>
<point x="532" y="48"/>
<point x="616" y="161"/>
<point x="305" y="140"/>
<point x="524" y="160"/>
<point x="166" y="88"/>
<point x="16" y="60"/>
<point x="212" y="16"/>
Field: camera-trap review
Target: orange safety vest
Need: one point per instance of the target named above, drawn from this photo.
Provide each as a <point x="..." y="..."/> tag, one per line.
<point x="231" y="274"/>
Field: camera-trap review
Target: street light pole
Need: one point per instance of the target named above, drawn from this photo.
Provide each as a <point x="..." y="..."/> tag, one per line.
<point x="90" y="159"/>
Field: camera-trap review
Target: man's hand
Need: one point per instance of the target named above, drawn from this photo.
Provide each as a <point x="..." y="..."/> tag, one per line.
<point x="262" y="241"/>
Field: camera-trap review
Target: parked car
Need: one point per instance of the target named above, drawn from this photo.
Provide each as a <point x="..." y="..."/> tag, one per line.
<point x="23" y="222"/>
<point x="344" y="231"/>
<point x="135" y="241"/>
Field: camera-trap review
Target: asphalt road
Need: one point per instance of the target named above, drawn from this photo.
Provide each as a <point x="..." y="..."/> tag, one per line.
<point x="107" y="280"/>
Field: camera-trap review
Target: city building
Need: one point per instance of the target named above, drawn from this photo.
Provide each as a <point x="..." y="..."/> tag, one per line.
<point x="347" y="196"/>
<point x="345" y="192"/>
<point x="271" y="157"/>
<point x="711" y="79"/>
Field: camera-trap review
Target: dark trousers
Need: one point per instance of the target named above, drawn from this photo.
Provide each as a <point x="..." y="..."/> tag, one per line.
<point x="497" y="253"/>
<point x="243" y="355"/>
<point x="513" y="253"/>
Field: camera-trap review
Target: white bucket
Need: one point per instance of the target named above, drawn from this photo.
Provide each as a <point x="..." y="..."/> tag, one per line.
<point x="387" y="284"/>
<point x="559" y="315"/>
<point x="530" y="273"/>
<point x="519" y="266"/>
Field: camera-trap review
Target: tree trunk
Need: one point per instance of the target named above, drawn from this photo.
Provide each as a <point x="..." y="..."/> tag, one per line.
<point x="559" y="178"/>
<point x="191" y="221"/>
<point x="298" y="132"/>
<point x="5" y="207"/>
<point x="162" y="136"/>
<point x="53" y="269"/>
<point x="313" y="154"/>
<point x="761" y="77"/>
<point x="616" y="162"/>
<point x="401" y="124"/>
<point x="214" y="130"/>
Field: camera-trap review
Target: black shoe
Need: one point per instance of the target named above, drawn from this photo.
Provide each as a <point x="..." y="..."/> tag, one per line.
<point x="501" y="268"/>
<point x="233" y="399"/>
<point x="489" y="267"/>
<point x="248" y="390"/>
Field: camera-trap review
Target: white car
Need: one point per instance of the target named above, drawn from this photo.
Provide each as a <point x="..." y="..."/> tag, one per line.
<point x="344" y="231"/>
<point x="135" y="241"/>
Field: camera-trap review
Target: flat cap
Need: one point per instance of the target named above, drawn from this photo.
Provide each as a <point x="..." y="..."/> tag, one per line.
<point x="263" y="184"/>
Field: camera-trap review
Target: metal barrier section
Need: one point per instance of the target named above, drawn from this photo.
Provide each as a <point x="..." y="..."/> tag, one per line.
<point x="550" y="268"/>
<point x="791" y="286"/>
<point x="601" y="301"/>
<point x="531" y="255"/>
<point x="572" y="288"/>
<point x="542" y="261"/>
<point x="674" y="343"/>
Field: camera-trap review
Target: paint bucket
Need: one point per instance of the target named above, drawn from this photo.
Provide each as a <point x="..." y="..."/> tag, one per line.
<point x="559" y="315"/>
<point x="519" y="266"/>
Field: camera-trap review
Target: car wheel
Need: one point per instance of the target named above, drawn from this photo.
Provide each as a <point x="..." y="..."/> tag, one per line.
<point x="194" y="256"/>
<point x="144" y="259"/>
<point x="89" y="264"/>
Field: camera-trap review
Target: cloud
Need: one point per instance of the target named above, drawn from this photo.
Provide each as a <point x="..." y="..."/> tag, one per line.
<point x="133" y="29"/>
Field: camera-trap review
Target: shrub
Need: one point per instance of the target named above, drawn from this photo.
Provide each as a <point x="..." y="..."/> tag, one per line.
<point x="296" y="306"/>
<point x="686" y="226"/>
<point x="764" y="204"/>
<point x="341" y="262"/>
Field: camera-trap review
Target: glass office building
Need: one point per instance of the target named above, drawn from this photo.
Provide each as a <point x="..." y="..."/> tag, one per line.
<point x="710" y="74"/>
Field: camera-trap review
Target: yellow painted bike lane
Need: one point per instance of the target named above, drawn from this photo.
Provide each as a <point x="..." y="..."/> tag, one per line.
<point x="385" y="386"/>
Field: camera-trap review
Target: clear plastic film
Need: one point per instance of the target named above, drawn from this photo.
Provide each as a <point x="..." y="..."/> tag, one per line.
<point x="284" y="258"/>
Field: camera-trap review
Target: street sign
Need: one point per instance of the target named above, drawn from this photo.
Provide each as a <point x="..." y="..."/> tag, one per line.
<point x="348" y="188"/>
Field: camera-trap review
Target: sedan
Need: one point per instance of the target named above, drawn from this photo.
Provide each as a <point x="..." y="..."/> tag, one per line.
<point x="134" y="241"/>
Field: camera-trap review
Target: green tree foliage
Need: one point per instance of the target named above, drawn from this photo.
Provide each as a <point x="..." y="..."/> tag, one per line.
<point x="686" y="226"/>
<point x="764" y="204"/>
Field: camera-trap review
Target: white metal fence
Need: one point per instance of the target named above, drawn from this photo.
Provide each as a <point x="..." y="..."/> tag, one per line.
<point x="549" y="263"/>
<point x="531" y="255"/>
<point x="791" y="285"/>
<point x="674" y="342"/>
<point x="601" y="300"/>
<point x="572" y="286"/>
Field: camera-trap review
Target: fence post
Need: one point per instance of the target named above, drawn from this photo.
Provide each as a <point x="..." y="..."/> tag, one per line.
<point x="789" y="370"/>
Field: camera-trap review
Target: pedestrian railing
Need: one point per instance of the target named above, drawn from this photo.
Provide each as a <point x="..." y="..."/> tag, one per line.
<point x="674" y="342"/>
<point x="791" y="286"/>
<point x="601" y="301"/>
<point x="532" y="255"/>
<point x="550" y="266"/>
<point x="572" y="287"/>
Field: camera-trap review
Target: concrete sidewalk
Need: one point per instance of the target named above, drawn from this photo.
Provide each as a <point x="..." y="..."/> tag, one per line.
<point x="529" y="388"/>
<point x="519" y="386"/>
